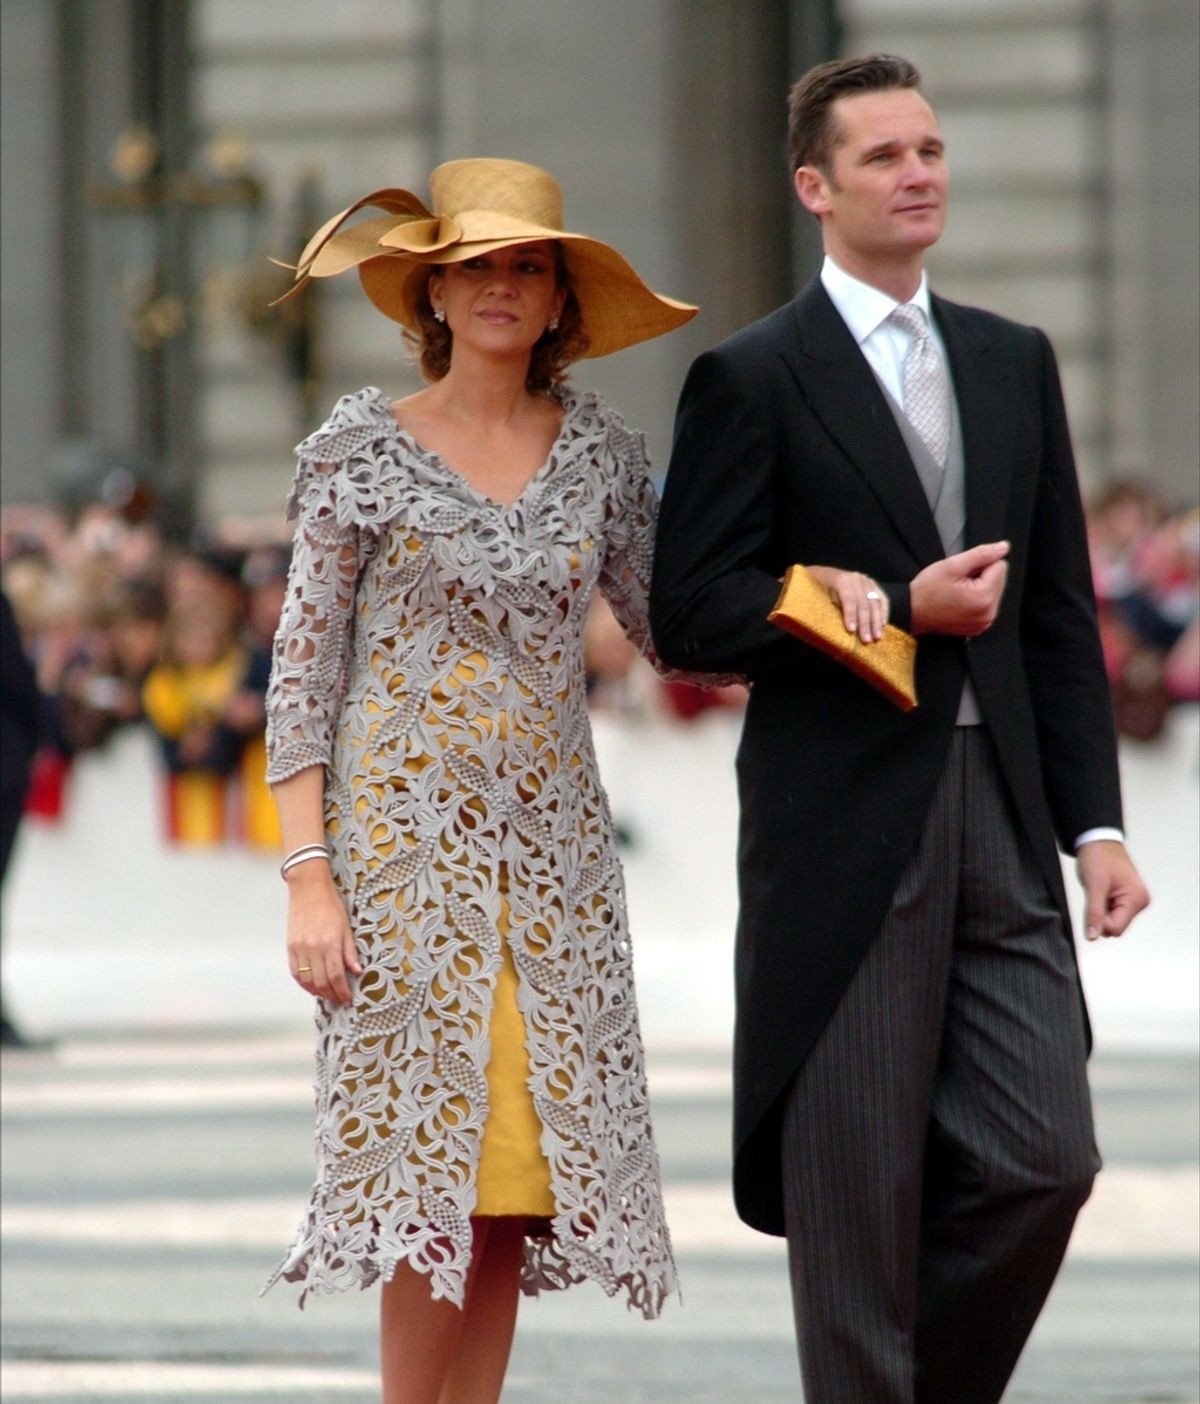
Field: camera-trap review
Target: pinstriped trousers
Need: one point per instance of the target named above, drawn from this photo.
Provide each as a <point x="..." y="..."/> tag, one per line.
<point x="937" y="1142"/>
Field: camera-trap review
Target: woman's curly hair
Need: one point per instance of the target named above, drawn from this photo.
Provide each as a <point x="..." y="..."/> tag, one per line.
<point x="553" y="353"/>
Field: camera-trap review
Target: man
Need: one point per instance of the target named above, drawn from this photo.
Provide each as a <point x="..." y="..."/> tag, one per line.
<point x="911" y="1105"/>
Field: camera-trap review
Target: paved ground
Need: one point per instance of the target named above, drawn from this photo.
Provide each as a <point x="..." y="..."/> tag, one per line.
<point x="150" y="1184"/>
<point x="155" y="1164"/>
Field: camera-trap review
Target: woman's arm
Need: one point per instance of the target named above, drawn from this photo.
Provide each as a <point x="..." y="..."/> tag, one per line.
<point x="312" y="644"/>
<point x="320" y="944"/>
<point x="303" y="705"/>
<point x="629" y="553"/>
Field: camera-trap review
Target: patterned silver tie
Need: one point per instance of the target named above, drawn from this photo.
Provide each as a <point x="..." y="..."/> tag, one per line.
<point x="926" y="384"/>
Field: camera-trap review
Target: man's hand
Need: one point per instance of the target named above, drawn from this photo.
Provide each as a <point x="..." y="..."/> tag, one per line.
<point x="1115" y="894"/>
<point x="961" y="594"/>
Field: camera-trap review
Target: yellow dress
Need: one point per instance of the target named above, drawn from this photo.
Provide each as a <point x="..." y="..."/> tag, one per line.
<point x="513" y="1177"/>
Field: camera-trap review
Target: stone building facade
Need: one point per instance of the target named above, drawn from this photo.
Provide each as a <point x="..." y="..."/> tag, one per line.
<point x="1071" y="131"/>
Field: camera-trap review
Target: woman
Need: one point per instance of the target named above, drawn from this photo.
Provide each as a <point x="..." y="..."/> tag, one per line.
<point x="455" y="900"/>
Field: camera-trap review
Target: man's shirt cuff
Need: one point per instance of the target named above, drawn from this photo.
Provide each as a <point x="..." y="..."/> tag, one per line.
<point x="1094" y="835"/>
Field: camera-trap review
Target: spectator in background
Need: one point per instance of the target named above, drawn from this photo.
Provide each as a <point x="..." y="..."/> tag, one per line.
<point x="1146" y="569"/>
<point x="1119" y="520"/>
<point x="205" y="574"/>
<point x="138" y="626"/>
<point x="101" y="687"/>
<point x="1181" y="669"/>
<point x="687" y="701"/>
<point x="264" y="576"/>
<point x="20" y="710"/>
<point x="1162" y="599"/>
<point x="46" y="605"/>
<point x="46" y="602"/>
<point x="608" y="657"/>
<point x="193" y="700"/>
<point x="612" y="665"/>
<point x="92" y="595"/>
<point x="1181" y="666"/>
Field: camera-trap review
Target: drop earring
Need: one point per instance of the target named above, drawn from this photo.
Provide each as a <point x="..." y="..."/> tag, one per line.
<point x="438" y="315"/>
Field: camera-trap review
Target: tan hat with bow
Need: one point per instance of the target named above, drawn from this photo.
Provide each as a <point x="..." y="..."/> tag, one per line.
<point x="480" y="205"/>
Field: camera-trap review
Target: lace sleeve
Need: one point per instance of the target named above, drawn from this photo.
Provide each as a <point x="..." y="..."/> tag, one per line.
<point x="312" y="642"/>
<point x="629" y="550"/>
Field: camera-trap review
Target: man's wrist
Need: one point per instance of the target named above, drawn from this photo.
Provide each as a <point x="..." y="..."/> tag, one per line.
<point x="1099" y="835"/>
<point x="899" y="594"/>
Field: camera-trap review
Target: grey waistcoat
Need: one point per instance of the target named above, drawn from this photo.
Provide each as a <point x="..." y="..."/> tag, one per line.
<point x="946" y="490"/>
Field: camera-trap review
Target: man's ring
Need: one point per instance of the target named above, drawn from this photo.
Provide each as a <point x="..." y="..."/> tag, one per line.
<point x="874" y="595"/>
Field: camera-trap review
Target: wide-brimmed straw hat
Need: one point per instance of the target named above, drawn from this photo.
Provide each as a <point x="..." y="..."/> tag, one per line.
<point x="480" y="205"/>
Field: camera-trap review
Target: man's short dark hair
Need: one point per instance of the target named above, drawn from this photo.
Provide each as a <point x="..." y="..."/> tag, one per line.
<point x="812" y="133"/>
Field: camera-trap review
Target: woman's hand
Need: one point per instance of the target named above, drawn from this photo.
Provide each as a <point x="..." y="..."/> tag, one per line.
<point x="320" y="945"/>
<point x="864" y="605"/>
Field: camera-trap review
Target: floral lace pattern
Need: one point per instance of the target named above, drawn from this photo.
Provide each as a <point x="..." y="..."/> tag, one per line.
<point x="430" y="656"/>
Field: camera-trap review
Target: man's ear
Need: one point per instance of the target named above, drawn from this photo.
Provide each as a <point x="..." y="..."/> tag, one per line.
<point x="812" y="189"/>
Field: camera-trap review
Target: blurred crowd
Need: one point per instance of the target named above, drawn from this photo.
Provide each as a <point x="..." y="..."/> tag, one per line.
<point x="1146" y="571"/>
<point x="124" y="629"/>
<point x="127" y="629"/>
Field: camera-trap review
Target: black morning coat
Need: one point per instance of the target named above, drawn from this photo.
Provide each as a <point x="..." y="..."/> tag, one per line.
<point x="786" y="451"/>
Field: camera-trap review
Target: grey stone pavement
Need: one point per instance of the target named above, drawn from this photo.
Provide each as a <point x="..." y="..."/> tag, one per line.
<point x="156" y="1160"/>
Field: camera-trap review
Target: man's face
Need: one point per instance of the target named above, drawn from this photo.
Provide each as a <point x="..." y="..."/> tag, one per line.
<point x="885" y="198"/>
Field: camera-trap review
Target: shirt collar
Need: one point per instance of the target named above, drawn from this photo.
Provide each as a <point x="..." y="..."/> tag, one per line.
<point x="863" y="307"/>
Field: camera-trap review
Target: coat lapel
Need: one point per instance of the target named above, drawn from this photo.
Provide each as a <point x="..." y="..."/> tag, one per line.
<point x="835" y="379"/>
<point x="985" y="410"/>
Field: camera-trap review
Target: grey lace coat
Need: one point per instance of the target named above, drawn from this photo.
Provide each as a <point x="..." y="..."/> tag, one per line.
<point x="430" y="656"/>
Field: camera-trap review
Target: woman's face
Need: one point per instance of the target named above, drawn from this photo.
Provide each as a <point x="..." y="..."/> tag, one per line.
<point x="500" y="303"/>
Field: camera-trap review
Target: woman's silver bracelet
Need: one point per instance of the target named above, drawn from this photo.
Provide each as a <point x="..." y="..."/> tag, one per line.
<point x="302" y="854"/>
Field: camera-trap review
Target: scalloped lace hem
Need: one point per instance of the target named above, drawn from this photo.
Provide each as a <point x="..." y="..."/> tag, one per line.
<point x="546" y="1268"/>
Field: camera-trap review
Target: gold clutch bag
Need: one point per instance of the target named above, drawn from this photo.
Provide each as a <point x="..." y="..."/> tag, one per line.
<point x="805" y="608"/>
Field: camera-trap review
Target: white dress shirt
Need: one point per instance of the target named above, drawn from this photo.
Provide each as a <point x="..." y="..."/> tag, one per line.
<point x="865" y="311"/>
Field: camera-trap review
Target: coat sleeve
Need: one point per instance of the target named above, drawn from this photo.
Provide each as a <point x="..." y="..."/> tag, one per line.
<point x="711" y="591"/>
<point x="631" y="520"/>
<point x="631" y="511"/>
<point x="1063" y="659"/>
<point x="312" y="643"/>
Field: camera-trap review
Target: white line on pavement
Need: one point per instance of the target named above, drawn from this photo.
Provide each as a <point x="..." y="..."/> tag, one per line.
<point x="103" y="1379"/>
<point x="224" y="1048"/>
<point x="150" y="1096"/>
<point x="1136" y="1212"/>
<point x="163" y="1223"/>
<point x="155" y="1095"/>
<point x="194" y="1050"/>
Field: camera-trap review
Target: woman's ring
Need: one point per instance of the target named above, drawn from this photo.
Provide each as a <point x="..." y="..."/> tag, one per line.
<point x="303" y="969"/>
<point x="874" y="595"/>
